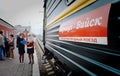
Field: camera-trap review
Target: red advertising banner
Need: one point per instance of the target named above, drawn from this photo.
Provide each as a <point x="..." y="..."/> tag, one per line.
<point x="89" y="28"/>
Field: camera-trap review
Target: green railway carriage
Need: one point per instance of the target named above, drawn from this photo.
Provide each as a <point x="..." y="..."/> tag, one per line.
<point x="83" y="36"/>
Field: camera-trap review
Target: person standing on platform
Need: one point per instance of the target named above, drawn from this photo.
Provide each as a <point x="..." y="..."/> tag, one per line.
<point x="7" y="48"/>
<point x="6" y="51"/>
<point x="30" y="49"/>
<point x="2" y="45"/>
<point x="21" y="47"/>
<point x="11" y="46"/>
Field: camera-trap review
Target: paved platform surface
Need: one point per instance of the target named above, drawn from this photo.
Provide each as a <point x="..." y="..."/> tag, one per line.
<point x="12" y="67"/>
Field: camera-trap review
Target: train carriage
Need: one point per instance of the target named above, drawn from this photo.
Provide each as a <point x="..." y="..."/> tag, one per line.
<point x="83" y="36"/>
<point x="6" y="28"/>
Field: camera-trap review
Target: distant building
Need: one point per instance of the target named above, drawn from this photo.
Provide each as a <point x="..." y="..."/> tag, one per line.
<point x="20" y="28"/>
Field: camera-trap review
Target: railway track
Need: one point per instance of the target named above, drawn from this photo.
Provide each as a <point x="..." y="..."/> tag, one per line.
<point x="46" y="66"/>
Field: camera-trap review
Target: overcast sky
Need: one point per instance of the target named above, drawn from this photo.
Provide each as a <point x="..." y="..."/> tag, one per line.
<point x="23" y="12"/>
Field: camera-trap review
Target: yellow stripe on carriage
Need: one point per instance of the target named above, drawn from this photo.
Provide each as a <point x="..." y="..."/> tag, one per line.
<point x="77" y="5"/>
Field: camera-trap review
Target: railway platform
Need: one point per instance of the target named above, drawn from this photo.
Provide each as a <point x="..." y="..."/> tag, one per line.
<point x="12" y="67"/>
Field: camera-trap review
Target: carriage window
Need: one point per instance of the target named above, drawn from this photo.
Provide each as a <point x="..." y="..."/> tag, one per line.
<point x="68" y="2"/>
<point x="114" y="22"/>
